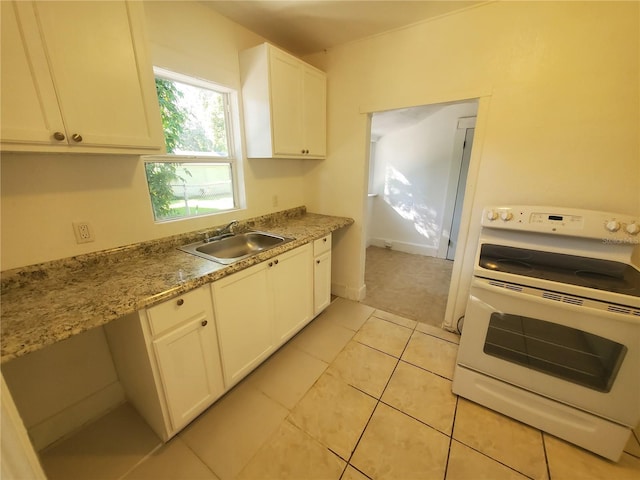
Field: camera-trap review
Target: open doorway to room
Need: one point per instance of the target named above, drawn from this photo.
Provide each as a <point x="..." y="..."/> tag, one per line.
<point x="417" y="175"/>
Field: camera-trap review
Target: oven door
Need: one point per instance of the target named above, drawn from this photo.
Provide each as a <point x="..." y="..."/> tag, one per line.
<point x="578" y="355"/>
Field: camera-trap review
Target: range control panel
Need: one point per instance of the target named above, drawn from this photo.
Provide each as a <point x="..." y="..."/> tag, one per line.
<point x="564" y="221"/>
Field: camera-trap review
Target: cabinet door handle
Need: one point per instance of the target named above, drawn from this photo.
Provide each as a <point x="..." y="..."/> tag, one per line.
<point x="76" y="137"/>
<point x="324" y="240"/>
<point x="59" y="136"/>
<point x="318" y="262"/>
<point x="180" y="301"/>
<point x="271" y="264"/>
<point x="276" y="262"/>
<point x="204" y="323"/>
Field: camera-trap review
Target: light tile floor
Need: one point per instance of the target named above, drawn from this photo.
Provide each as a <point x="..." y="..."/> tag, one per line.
<point x="358" y="394"/>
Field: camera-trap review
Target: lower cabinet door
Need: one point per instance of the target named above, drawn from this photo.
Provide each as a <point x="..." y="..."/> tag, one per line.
<point x="244" y="317"/>
<point x="189" y="367"/>
<point x="291" y="279"/>
<point x="321" y="282"/>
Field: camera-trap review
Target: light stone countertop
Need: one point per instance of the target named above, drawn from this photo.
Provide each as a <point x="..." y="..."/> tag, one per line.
<point x="50" y="302"/>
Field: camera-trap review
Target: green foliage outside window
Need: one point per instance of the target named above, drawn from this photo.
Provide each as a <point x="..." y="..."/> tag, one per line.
<point x="161" y="175"/>
<point x="194" y="122"/>
<point x="173" y="117"/>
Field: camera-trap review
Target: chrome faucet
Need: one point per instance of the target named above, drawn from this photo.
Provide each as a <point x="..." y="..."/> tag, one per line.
<point x="221" y="233"/>
<point x="227" y="229"/>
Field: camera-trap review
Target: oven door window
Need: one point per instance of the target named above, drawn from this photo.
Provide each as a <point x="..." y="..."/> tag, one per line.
<point x="564" y="352"/>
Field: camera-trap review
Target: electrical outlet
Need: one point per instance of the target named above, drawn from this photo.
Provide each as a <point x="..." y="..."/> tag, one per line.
<point x="83" y="232"/>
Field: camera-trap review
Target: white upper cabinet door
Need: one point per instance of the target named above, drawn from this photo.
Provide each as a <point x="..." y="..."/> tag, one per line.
<point x="284" y="102"/>
<point x="28" y="101"/>
<point x="287" y="109"/>
<point x="315" y="112"/>
<point x="100" y="72"/>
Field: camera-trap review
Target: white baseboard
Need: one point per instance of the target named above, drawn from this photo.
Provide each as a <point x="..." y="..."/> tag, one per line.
<point x="405" y="247"/>
<point x="349" y="293"/>
<point x="72" y="418"/>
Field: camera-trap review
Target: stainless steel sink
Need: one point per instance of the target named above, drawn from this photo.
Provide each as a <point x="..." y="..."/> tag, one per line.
<point x="235" y="247"/>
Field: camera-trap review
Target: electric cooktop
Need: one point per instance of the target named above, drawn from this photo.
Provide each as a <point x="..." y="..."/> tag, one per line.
<point x="586" y="272"/>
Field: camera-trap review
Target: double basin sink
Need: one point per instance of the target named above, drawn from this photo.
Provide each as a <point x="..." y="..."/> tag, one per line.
<point x="231" y="248"/>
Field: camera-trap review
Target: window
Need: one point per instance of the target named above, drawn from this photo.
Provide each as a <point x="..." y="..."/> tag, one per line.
<point x="199" y="174"/>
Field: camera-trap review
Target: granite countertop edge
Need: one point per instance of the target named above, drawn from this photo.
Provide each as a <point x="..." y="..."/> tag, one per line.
<point x="47" y="303"/>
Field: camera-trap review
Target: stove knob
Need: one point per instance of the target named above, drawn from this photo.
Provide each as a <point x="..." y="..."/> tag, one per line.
<point x="633" y="228"/>
<point x="613" y="226"/>
<point x="492" y="215"/>
<point x="506" y="216"/>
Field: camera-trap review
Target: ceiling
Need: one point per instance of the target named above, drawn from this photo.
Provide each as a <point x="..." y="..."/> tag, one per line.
<point x="311" y="26"/>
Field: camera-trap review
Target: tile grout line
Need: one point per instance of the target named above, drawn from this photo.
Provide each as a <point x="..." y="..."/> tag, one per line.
<point x="142" y="460"/>
<point x="635" y="436"/>
<point x="453" y="424"/>
<point x="451" y="438"/>
<point x="378" y="400"/>
<point x="546" y="457"/>
<point x="284" y="406"/>
<point x="478" y="451"/>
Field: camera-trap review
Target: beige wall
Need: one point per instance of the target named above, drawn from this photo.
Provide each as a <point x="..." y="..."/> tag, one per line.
<point x="42" y="194"/>
<point x="414" y="166"/>
<point x="60" y="388"/>
<point x="558" y="118"/>
<point x="558" y="124"/>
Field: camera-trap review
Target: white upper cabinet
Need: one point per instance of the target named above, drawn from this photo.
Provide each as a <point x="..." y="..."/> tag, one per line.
<point x="76" y="78"/>
<point x="284" y="103"/>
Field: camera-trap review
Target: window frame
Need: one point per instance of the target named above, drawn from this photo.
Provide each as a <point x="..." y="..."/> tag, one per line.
<point x="234" y="157"/>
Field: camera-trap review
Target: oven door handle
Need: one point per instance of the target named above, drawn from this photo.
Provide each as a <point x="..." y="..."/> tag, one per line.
<point x="535" y="295"/>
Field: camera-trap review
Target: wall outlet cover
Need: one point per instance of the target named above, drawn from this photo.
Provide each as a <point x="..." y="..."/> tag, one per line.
<point x="83" y="232"/>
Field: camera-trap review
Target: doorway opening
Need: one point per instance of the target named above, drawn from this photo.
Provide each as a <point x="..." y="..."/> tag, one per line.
<point x="418" y="164"/>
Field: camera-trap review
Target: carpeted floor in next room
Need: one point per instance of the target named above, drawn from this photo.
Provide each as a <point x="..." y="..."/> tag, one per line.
<point x="413" y="286"/>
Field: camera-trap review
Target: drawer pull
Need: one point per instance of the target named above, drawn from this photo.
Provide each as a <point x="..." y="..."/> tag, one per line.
<point x="204" y="323"/>
<point x="180" y="301"/>
<point x="324" y="240"/>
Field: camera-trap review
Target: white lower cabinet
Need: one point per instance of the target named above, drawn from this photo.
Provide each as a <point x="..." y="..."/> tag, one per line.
<point x="259" y="308"/>
<point x="176" y="358"/>
<point x="321" y="274"/>
<point x="243" y="318"/>
<point x="291" y="282"/>
<point x="189" y="369"/>
<point x="168" y="361"/>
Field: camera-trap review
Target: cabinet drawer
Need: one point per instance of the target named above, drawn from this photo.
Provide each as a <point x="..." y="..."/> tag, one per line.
<point x="322" y="245"/>
<point x="175" y="311"/>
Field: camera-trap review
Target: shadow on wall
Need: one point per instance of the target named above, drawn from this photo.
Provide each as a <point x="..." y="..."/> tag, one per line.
<point x="399" y="194"/>
<point x="414" y="168"/>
